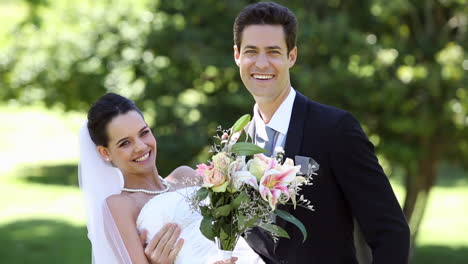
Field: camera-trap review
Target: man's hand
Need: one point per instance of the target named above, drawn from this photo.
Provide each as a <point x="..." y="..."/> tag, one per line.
<point x="164" y="246"/>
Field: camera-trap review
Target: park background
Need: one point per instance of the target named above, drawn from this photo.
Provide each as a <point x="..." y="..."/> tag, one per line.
<point x="399" y="66"/>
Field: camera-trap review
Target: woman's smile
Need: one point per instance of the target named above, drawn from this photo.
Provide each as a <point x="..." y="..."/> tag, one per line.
<point x="143" y="158"/>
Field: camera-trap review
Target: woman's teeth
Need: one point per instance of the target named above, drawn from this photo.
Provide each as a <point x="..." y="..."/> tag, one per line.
<point x="143" y="158"/>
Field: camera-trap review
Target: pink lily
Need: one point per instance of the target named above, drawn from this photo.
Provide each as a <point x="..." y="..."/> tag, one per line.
<point x="275" y="182"/>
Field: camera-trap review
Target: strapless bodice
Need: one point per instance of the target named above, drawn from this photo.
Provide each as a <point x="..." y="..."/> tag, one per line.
<point x="174" y="207"/>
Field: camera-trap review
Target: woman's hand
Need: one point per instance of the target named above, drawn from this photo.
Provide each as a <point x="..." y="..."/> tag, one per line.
<point x="164" y="246"/>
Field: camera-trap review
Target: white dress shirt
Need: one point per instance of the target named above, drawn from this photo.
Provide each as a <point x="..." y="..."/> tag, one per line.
<point x="279" y="121"/>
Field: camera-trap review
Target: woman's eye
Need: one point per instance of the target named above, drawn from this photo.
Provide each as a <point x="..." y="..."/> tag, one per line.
<point x="144" y="132"/>
<point x="124" y="143"/>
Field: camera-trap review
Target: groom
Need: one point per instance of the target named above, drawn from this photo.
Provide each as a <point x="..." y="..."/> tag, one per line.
<point x="350" y="183"/>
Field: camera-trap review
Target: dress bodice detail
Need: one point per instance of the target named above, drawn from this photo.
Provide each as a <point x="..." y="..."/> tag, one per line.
<point x="174" y="207"/>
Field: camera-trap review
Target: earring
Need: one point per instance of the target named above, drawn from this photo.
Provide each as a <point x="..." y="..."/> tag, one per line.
<point x="107" y="159"/>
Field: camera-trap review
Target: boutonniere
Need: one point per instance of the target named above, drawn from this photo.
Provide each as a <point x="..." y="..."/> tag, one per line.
<point x="308" y="165"/>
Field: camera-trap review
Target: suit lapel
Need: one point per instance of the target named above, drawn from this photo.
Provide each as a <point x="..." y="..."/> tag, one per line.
<point x="293" y="146"/>
<point x="294" y="139"/>
<point x="296" y="126"/>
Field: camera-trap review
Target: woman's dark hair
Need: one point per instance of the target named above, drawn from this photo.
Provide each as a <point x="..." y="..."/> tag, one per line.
<point x="103" y="111"/>
<point x="267" y="13"/>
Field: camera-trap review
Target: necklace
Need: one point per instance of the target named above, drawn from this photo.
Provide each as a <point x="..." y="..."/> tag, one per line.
<point x="166" y="184"/>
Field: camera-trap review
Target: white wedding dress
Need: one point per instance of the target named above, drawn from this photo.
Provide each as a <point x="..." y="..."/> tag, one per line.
<point x="173" y="207"/>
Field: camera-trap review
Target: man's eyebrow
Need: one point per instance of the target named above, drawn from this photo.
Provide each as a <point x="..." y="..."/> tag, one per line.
<point x="250" y="47"/>
<point x="268" y="48"/>
<point x="273" y="47"/>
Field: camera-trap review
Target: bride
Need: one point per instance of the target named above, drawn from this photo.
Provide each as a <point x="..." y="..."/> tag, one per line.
<point x="125" y="195"/>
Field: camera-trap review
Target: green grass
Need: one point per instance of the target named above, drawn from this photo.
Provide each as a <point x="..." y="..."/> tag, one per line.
<point x="445" y="216"/>
<point x="42" y="219"/>
<point x="41" y="215"/>
<point x="43" y="241"/>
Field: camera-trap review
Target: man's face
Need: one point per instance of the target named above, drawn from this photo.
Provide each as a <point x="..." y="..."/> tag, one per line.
<point x="264" y="62"/>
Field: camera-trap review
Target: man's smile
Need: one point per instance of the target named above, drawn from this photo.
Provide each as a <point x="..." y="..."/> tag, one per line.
<point x="262" y="76"/>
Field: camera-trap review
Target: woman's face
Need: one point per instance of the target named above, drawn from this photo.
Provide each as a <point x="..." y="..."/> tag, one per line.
<point x="132" y="146"/>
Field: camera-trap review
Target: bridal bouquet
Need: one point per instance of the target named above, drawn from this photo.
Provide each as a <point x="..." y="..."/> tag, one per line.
<point x="242" y="188"/>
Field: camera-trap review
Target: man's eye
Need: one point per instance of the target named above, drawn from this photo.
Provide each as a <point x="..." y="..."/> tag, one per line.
<point x="250" y="51"/>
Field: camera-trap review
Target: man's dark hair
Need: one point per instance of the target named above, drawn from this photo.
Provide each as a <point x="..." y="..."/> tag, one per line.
<point x="103" y="111"/>
<point x="266" y="13"/>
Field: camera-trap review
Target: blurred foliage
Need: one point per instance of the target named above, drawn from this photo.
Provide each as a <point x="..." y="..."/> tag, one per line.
<point x="57" y="174"/>
<point x="399" y="66"/>
<point x="44" y="241"/>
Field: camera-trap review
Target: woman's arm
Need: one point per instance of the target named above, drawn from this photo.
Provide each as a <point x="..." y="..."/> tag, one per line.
<point x="162" y="249"/>
<point x="123" y="211"/>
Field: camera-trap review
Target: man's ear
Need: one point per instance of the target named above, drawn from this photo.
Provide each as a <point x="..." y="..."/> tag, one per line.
<point x="104" y="153"/>
<point x="292" y="56"/>
<point x="237" y="55"/>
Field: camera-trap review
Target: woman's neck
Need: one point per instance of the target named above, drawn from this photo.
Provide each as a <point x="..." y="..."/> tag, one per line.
<point x="149" y="181"/>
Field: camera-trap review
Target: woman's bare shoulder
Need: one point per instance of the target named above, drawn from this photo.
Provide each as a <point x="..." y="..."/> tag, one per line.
<point x="119" y="203"/>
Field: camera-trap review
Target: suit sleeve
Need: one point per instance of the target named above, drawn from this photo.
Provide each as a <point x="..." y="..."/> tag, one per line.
<point x="369" y="193"/>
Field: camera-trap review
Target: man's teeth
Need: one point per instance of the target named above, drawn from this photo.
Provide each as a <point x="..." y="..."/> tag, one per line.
<point x="263" y="76"/>
<point x="143" y="158"/>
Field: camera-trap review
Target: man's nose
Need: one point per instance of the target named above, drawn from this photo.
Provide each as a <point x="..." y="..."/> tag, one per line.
<point x="261" y="61"/>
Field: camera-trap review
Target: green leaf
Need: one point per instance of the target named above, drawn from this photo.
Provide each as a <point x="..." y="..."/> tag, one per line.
<point x="241" y="198"/>
<point x="240" y="123"/>
<point x="206" y="228"/>
<point x="220" y="188"/>
<point x="274" y="229"/>
<point x="290" y="218"/>
<point x="226" y="238"/>
<point x="222" y="210"/>
<point x="217" y="199"/>
<point x="246" y="148"/>
<point x="251" y="222"/>
<point x="243" y="137"/>
<point x="202" y="193"/>
<point x="223" y="235"/>
<point x="245" y="222"/>
<point x="205" y="211"/>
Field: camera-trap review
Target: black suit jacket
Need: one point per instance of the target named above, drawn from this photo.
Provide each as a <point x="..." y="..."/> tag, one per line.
<point x="350" y="184"/>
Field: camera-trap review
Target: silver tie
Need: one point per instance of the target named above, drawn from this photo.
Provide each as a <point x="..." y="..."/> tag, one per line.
<point x="270" y="141"/>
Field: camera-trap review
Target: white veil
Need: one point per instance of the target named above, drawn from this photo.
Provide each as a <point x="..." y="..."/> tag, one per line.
<point x="98" y="180"/>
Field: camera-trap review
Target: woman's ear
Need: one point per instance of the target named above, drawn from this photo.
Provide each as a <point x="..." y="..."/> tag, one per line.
<point x="104" y="153"/>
